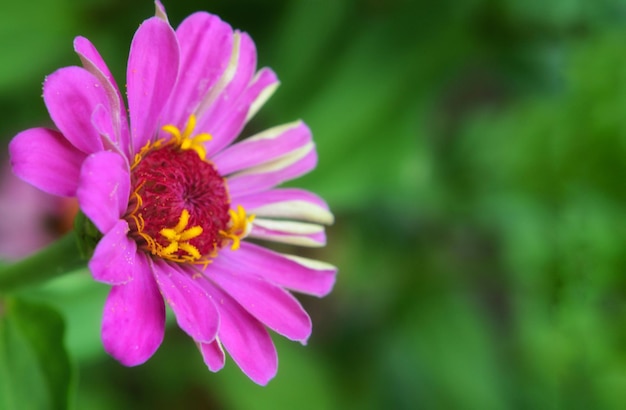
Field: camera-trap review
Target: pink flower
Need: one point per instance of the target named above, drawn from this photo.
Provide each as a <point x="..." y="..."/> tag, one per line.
<point x="36" y="218"/>
<point x="176" y="199"/>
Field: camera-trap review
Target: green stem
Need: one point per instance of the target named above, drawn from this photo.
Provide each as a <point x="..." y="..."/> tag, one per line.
<point x="60" y="257"/>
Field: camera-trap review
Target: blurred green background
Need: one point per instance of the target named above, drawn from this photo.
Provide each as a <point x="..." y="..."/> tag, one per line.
<point x="472" y="152"/>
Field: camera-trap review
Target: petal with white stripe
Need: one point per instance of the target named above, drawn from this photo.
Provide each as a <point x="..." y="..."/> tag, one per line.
<point x="270" y="174"/>
<point x="288" y="203"/>
<point x="295" y="233"/>
<point x="242" y="110"/>
<point x="263" y="147"/>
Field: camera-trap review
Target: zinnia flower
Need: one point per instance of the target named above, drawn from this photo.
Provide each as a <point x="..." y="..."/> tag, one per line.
<point x="176" y="199"/>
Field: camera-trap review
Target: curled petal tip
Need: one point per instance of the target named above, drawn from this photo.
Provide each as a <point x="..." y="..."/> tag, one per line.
<point x="159" y="11"/>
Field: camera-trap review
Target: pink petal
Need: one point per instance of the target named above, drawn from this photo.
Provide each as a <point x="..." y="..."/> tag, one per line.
<point x="229" y="125"/>
<point x="45" y="159"/>
<point x="206" y="43"/>
<point x="104" y="189"/>
<point x="72" y="95"/>
<point x="263" y="147"/>
<point x="287" y="203"/>
<point x="219" y="102"/>
<point x="262" y="87"/>
<point x="295" y="273"/>
<point x="24" y="207"/>
<point x="270" y="304"/>
<point x="93" y="62"/>
<point x="114" y="259"/>
<point x="245" y="339"/>
<point x="295" y="233"/>
<point x="134" y="317"/>
<point x="262" y="199"/>
<point x="151" y="74"/>
<point x="269" y="175"/>
<point x="101" y="121"/>
<point x="213" y="355"/>
<point x="195" y="312"/>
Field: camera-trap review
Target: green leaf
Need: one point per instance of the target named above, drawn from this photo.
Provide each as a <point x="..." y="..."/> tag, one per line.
<point x="57" y="259"/>
<point x="35" y="370"/>
<point x="302" y="378"/>
<point x="44" y="28"/>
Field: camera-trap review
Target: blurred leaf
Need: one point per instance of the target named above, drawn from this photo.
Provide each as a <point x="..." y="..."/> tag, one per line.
<point x="302" y="381"/>
<point x="564" y="12"/>
<point x="32" y="35"/>
<point x="547" y="174"/>
<point x="446" y="364"/>
<point x="363" y="107"/>
<point x="80" y="299"/>
<point x="293" y="38"/>
<point x="35" y="371"/>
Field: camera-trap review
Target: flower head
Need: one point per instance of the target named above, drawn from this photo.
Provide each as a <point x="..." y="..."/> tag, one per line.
<point x="176" y="199"/>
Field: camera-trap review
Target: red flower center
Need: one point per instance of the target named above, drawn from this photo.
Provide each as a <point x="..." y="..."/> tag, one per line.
<point x="170" y="180"/>
<point x="179" y="208"/>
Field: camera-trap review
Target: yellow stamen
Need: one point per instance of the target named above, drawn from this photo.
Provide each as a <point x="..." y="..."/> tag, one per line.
<point x="185" y="140"/>
<point x="172" y="129"/>
<point x="239" y="226"/>
<point x="191" y="124"/>
<point x="169" y="249"/>
<point x="179" y="237"/>
<point x="190" y="249"/>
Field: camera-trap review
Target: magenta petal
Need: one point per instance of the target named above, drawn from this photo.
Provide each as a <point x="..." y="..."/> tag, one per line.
<point x="266" y="146"/>
<point x="295" y="233"/>
<point x="262" y="199"/>
<point x="195" y="311"/>
<point x="299" y="274"/>
<point x="134" y="317"/>
<point x="104" y="189"/>
<point x="71" y="95"/>
<point x="231" y="123"/>
<point x="213" y="355"/>
<point x="222" y="100"/>
<point x="287" y="203"/>
<point x="151" y="74"/>
<point x="245" y="339"/>
<point x="114" y="259"/>
<point x="228" y="127"/>
<point x="270" y="304"/>
<point x="101" y="121"/>
<point x="206" y="43"/>
<point x="93" y="62"/>
<point x="91" y="59"/>
<point x="269" y="175"/>
<point x="45" y="159"/>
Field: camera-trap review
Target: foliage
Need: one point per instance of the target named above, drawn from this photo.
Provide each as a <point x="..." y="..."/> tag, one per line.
<point x="473" y="153"/>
